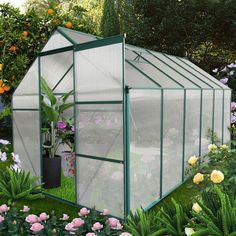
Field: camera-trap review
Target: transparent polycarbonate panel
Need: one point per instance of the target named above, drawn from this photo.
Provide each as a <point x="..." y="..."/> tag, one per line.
<point x="207" y="113"/>
<point x="144" y="147"/>
<point x="100" y="73"/>
<point x="78" y="37"/>
<point x="172" y="139"/>
<point x="26" y="140"/>
<point x="214" y="82"/>
<point x="100" y="130"/>
<point x="204" y="77"/>
<point x="218" y="114"/>
<point x="26" y="94"/>
<point x="150" y="70"/>
<point x="54" y="67"/>
<point x="192" y="124"/>
<point x="175" y="64"/>
<point x="227" y="112"/>
<point x="56" y="41"/>
<point x="100" y="184"/>
<point x="168" y="70"/>
<point x="135" y="79"/>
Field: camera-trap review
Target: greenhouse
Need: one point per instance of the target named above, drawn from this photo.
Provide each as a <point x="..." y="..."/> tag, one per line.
<point x="137" y="116"/>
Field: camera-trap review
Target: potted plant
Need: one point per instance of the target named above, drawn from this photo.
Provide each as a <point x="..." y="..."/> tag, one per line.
<point x="65" y="132"/>
<point x="52" y="110"/>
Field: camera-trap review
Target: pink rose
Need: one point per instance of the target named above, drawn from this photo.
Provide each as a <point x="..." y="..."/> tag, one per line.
<point x="1" y="219"/>
<point x="114" y="223"/>
<point x="125" y="234"/>
<point x="77" y="222"/>
<point x="90" y="234"/>
<point x="43" y="216"/>
<point x="25" y="209"/>
<point x="65" y="217"/>
<point x="70" y="227"/>
<point x="97" y="226"/>
<point x="36" y="227"/>
<point x="84" y="211"/>
<point x="4" y="208"/>
<point x="31" y="219"/>
<point x="105" y="212"/>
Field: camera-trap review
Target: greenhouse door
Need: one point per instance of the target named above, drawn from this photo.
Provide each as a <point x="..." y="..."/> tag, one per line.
<point x="99" y="95"/>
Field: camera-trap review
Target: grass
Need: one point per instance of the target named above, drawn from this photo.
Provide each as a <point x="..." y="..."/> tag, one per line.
<point x="66" y="190"/>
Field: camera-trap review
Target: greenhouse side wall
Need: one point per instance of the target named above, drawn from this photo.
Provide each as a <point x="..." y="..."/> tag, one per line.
<point x="25" y="104"/>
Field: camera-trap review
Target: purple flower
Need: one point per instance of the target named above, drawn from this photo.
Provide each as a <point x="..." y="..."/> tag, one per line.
<point x="61" y="125"/>
<point x="233" y="118"/>
<point x="232" y="65"/>
<point x="224" y="80"/>
<point x="231" y="73"/>
<point x="233" y="106"/>
<point x="73" y="129"/>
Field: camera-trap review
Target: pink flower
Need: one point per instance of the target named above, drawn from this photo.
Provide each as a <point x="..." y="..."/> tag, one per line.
<point x="4" y="208"/>
<point x="73" y="129"/>
<point x="224" y="80"/>
<point x="1" y="219"/>
<point x="31" y="219"/>
<point x="61" y="125"/>
<point x="15" y="158"/>
<point x="77" y="222"/>
<point x="25" y="209"/>
<point x="97" y="226"/>
<point x="43" y="216"/>
<point x="84" y="211"/>
<point x="125" y="234"/>
<point x="233" y="106"/>
<point x="90" y="234"/>
<point x="114" y="223"/>
<point x="70" y="227"/>
<point x="65" y="217"/>
<point x="105" y="212"/>
<point x="36" y="227"/>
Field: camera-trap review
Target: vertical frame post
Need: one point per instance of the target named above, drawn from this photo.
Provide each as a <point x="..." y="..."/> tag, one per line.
<point x="200" y="126"/>
<point x="184" y="131"/>
<point x="213" y="116"/>
<point x="161" y="140"/>
<point x="223" y="117"/>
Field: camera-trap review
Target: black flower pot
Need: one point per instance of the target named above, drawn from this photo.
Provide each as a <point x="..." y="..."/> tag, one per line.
<point x="52" y="172"/>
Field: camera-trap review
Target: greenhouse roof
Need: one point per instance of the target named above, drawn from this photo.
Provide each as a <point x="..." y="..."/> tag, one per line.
<point x="145" y="68"/>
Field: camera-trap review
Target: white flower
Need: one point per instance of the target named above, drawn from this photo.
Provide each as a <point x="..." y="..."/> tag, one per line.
<point x="196" y="208"/>
<point x="16" y="158"/>
<point x="212" y="148"/>
<point x="189" y="231"/>
<point x="16" y="167"/>
<point x="3" y="156"/>
<point x="232" y="65"/>
<point x="215" y="70"/>
<point x="4" y="142"/>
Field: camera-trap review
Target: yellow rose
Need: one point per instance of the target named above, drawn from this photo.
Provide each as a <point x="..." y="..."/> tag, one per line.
<point x="192" y="160"/>
<point x="196" y="207"/>
<point x="198" y="178"/>
<point x="212" y="148"/>
<point x="224" y="147"/>
<point x="217" y="176"/>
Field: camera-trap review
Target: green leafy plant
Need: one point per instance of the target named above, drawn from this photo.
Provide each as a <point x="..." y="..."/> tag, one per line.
<point x="15" y="184"/>
<point x="52" y="108"/>
<point x="217" y="215"/>
<point x="144" y="224"/>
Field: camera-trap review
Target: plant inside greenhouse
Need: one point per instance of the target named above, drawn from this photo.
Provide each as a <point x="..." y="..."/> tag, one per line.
<point x="117" y="117"/>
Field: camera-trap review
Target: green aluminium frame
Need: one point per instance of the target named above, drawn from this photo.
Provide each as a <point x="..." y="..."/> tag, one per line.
<point x="126" y="104"/>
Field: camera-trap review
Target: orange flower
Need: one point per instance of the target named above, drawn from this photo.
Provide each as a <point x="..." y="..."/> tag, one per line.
<point x="13" y="48"/>
<point x="1" y="90"/>
<point x="25" y="33"/>
<point x="6" y="88"/>
<point x="1" y="83"/>
<point x="50" y="11"/>
<point x="68" y="25"/>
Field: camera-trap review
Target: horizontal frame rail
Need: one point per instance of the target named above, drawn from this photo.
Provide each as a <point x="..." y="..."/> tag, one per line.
<point x="100" y="158"/>
<point x="99" y="102"/>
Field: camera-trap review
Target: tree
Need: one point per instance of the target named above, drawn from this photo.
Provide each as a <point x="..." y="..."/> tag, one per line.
<point x="110" y="21"/>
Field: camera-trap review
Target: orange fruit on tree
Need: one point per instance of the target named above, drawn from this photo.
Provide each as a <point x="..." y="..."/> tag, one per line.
<point x="6" y="88"/>
<point x="1" y="67"/>
<point x="68" y="25"/>
<point x="50" y="11"/>
<point x="25" y="33"/>
<point x="13" y="48"/>
<point x="2" y="90"/>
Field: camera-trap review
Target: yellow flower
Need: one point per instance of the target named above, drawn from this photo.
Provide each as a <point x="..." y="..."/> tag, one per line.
<point x="212" y="148"/>
<point x="196" y="207"/>
<point x="1" y="67"/>
<point x="217" y="176"/>
<point x="198" y="178"/>
<point x="224" y="147"/>
<point x="192" y="160"/>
